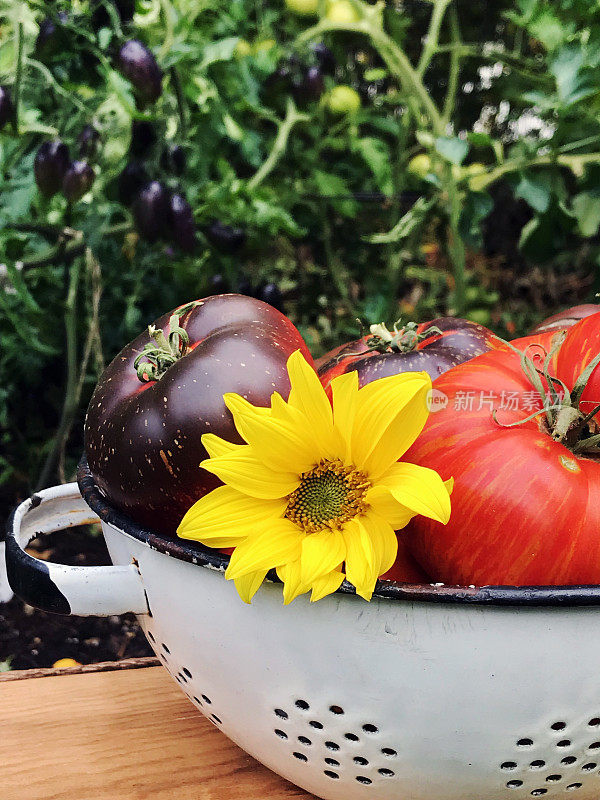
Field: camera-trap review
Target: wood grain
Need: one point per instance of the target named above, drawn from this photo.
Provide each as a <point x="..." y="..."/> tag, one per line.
<point x="120" y="735"/>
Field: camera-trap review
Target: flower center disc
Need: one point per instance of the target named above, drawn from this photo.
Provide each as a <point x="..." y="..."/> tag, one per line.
<point x="328" y="495"/>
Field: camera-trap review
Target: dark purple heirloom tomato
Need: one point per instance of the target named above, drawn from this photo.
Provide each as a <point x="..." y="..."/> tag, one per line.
<point x="7" y="109"/>
<point x="133" y="178"/>
<point x="51" y="38"/>
<point x="88" y="142"/>
<point x="225" y="237"/>
<point x="181" y="223"/>
<point x="143" y="138"/>
<point x="50" y="165"/>
<point x="270" y="293"/>
<point x="151" y="211"/>
<point x="101" y="18"/>
<point x="566" y="319"/>
<point x="325" y="58"/>
<point x="78" y="180"/>
<point x="137" y="63"/>
<point x="143" y="435"/>
<point x="172" y="159"/>
<point x="433" y="347"/>
<point x="309" y="86"/>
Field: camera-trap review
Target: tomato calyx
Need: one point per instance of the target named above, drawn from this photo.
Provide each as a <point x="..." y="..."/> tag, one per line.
<point x="162" y="352"/>
<point x="564" y="420"/>
<point x="400" y="340"/>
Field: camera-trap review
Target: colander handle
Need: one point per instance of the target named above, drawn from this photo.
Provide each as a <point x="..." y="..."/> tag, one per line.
<point x="58" y="588"/>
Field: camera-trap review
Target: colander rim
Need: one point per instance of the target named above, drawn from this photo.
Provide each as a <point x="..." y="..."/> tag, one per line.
<point x="194" y="552"/>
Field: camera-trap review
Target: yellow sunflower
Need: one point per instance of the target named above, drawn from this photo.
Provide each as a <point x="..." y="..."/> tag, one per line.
<point x="317" y="492"/>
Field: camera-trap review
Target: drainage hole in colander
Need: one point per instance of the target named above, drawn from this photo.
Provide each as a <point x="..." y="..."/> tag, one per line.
<point x="300" y="756"/>
<point x="206" y="699"/>
<point x="514" y="784"/>
<point x="182" y="677"/>
<point x="215" y="719"/>
<point x="333" y="762"/>
<point x="369" y="728"/>
<point x="363" y="779"/>
<point x="387" y="773"/>
<point x="389" y="752"/>
<point x="594" y="723"/>
<point x="360" y="760"/>
<point x="302" y="704"/>
<point x="594" y="746"/>
<point x="281" y="734"/>
<point x="573" y="786"/>
<point x="537" y="764"/>
<point x="279" y="712"/>
<point x="331" y="774"/>
<point x="314" y="724"/>
<point x="332" y="746"/>
<point x="538" y="792"/>
<point x="352" y="737"/>
<point x="508" y="765"/>
<point x="565" y="743"/>
<point x="336" y="709"/>
<point x="554" y="778"/>
<point x="568" y="760"/>
<point x="186" y="672"/>
<point x="525" y="743"/>
<point x="304" y="740"/>
<point x="151" y="636"/>
<point x="589" y="767"/>
<point x="197" y="701"/>
<point x="165" y="648"/>
<point x="558" y="726"/>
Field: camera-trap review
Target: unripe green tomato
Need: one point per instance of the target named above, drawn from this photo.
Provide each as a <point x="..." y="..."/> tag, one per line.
<point x="304" y="8"/>
<point x="476" y="169"/>
<point x="264" y="45"/>
<point x="419" y="165"/>
<point x="342" y="12"/>
<point x="343" y="100"/>
<point x="479" y="315"/>
<point x="243" y="48"/>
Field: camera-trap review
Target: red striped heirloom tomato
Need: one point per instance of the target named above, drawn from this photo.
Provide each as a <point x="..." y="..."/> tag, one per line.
<point x="526" y="499"/>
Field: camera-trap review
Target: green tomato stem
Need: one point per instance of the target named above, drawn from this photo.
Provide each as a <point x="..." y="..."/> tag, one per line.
<point x="279" y="147"/>
<point x="433" y="35"/>
<point x="18" y="74"/>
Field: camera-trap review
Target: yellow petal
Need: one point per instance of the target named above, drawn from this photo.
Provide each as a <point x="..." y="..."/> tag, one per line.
<point x="215" y="446"/>
<point x="321" y="553"/>
<point x="224" y="517"/>
<point x="359" y="558"/>
<point x="420" y="489"/>
<point x="326" y="584"/>
<point x="292" y="585"/>
<point x="279" y="543"/>
<point x="275" y="441"/>
<point x="249" y="584"/>
<point x="345" y="402"/>
<point x="391" y="414"/>
<point x="382" y="501"/>
<point x="384" y="541"/>
<point x="243" y="471"/>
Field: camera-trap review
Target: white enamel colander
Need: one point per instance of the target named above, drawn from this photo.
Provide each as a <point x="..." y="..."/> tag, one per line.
<point x="425" y="693"/>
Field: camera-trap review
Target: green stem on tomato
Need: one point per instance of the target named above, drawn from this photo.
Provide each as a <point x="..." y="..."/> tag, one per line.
<point x="454" y="73"/>
<point x="279" y="145"/>
<point x="455" y="243"/>
<point x="18" y="75"/>
<point x="432" y="36"/>
<point x="479" y="183"/>
<point x="181" y="109"/>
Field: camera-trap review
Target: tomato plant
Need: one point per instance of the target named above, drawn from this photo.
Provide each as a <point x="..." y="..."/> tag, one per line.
<point x="165" y="390"/>
<point x="520" y="437"/>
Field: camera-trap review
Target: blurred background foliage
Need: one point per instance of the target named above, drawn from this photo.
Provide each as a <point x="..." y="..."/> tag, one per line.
<point x="348" y="162"/>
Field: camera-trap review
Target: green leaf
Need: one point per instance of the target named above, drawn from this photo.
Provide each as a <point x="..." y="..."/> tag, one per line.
<point x="406" y="225"/>
<point x="586" y="207"/>
<point x="476" y="208"/>
<point x="549" y="29"/>
<point x="376" y="154"/>
<point x="337" y="191"/>
<point x="452" y="148"/>
<point x="222" y="50"/>
<point x="536" y="190"/>
<point x="572" y="82"/>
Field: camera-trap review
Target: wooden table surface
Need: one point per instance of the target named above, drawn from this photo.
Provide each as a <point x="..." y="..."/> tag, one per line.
<point x="125" y="734"/>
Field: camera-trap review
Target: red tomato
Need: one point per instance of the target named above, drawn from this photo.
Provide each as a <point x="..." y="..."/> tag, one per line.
<point x="566" y="319"/>
<point x="455" y="341"/>
<point x="525" y="508"/>
<point x="405" y="569"/>
<point x="143" y="437"/>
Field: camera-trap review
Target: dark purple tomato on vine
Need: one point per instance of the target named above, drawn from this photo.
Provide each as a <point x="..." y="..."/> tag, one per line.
<point x="173" y="160"/>
<point x="78" y="180"/>
<point x="151" y="211"/>
<point x="138" y="64"/>
<point x="218" y="284"/>
<point x="566" y="319"/>
<point x="225" y="237"/>
<point x="270" y="293"/>
<point x="88" y="142"/>
<point x="101" y="17"/>
<point x="181" y="223"/>
<point x="433" y="347"/>
<point x="325" y="58"/>
<point x="7" y="109"/>
<point x="154" y="402"/>
<point x="143" y="138"/>
<point x="52" y="36"/>
<point x="133" y="177"/>
<point x="245" y="286"/>
<point x="309" y="86"/>
<point x="50" y="165"/>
